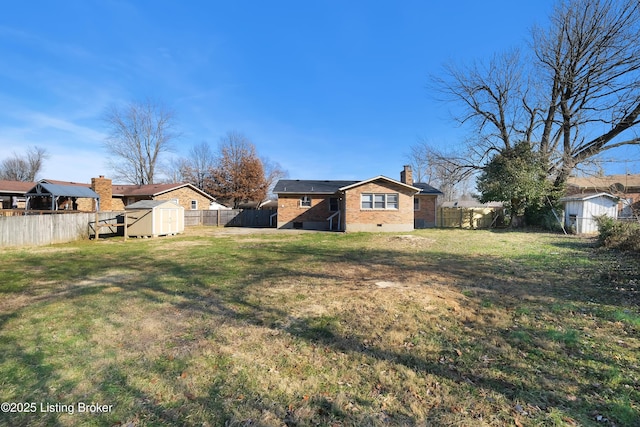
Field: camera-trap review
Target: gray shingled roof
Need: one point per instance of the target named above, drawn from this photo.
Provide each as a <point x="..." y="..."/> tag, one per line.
<point x="306" y="186"/>
<point x="426" y="188"/>
<point x="310" y="186"/>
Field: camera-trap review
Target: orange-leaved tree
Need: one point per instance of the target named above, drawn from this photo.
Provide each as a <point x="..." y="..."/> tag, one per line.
<point x="238" y="175"/>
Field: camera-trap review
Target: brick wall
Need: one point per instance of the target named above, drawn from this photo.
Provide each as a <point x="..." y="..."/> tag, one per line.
<point x="358" y="219"/>
<point x="117" y="204"/>
<point x="426" y="215"/>
<point x="406" y="175"/>
<point x="185" y="195"/>
<point x="104" y="187"/>
<point x="109" y="203"/>
<point x="354" y="218"/>
<point x="314" y="217"/>
<point x="85" y="205"/>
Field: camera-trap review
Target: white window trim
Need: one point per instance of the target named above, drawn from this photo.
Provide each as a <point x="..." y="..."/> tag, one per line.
<point x="194" y="203"/>
<point x="303" y="200"/>
<point x="386" y="202"/>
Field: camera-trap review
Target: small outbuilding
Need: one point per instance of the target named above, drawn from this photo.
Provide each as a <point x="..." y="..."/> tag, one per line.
<point x="55" y="197"/>
<point x="152" y="218"/>
<point x="580" y="211"/>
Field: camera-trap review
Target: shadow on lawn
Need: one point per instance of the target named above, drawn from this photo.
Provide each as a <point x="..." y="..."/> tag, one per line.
<point x="195" y="281"/>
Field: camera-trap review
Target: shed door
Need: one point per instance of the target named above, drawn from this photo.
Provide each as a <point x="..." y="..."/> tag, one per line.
<point x="169" y="219"/>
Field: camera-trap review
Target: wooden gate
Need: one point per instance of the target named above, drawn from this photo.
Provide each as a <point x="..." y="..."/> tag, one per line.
<point x="469" y="217"/>
<point x="229" y="218"/>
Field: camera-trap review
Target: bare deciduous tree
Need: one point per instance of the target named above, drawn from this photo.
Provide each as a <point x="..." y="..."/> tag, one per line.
<point x="494" y="106"/>
<point x="139" y="133"/>
<point x="273" y="172"/>
<point x="24" y="168"/>
<point x="439" y="169"/>
<point x="577" y="96"/>
<point x="197" y="166"/>
<point x="591" y="60"/>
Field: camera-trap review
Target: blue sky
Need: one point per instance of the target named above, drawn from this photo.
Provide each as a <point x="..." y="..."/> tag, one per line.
<point x="328" y="89"/>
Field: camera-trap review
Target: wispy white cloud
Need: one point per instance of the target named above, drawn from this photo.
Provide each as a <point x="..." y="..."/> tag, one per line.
<point x="75" y="149"/>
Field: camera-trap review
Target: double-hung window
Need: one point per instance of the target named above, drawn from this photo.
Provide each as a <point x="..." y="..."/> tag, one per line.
<point x="305" y="202"/>
<point x="392" y="201"/>
<point x="379" y="201"/>
<point x="366" y="201"/>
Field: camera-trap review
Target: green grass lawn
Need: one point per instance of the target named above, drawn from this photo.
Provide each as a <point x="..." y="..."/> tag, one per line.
<point x="435" y="327"/>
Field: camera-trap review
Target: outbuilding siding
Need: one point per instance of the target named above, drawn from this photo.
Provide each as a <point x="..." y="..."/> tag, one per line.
<point x="580" y="211"/>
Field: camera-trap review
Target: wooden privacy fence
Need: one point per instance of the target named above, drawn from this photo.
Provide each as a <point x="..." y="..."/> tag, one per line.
<point x="469" y="217"/>
<point x="229" y="218"/>
<point x="46" y="228"/>
<point x="34" y="230"/>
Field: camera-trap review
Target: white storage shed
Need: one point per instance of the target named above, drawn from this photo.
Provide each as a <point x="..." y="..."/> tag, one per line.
<point x="580" y="210"/>
<point x="152" y="218"/>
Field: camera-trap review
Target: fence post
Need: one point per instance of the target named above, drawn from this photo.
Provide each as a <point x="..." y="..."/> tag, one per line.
<point x="125" y="226"/>
<point x="97" y="226"/>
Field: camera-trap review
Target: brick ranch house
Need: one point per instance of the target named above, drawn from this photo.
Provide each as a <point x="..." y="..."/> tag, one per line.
<point x="112" y="197"/>
<point x="12" y="193"/>
<point x="375" y="204"/>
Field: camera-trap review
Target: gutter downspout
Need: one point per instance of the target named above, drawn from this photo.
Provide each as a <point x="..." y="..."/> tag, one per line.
<point x="343" y="205"/>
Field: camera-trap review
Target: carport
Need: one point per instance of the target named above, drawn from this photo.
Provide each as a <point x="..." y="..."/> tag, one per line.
<point x="51" y="194"/>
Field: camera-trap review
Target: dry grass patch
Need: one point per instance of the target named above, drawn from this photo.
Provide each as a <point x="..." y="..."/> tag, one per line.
<point x="437" y="327"/>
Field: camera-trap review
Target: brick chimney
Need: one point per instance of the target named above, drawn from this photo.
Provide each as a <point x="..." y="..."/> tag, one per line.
<point x="406" y="176"/>
<point x="104" y="188"/>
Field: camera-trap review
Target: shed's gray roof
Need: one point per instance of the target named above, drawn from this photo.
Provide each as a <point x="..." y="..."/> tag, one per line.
<point x="310" y="186"/>
<point x="57" y="190"/>
<point x="583" y="197"/>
